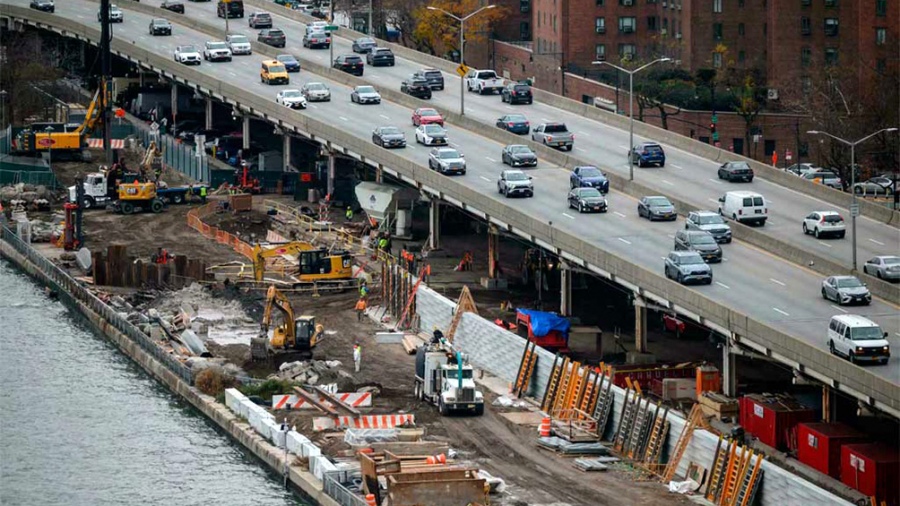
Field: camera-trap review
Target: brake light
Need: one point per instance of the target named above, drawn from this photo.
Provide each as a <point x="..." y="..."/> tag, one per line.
<point x="740" y="211"/>
<point x="550" y="138"/>
<point x="510" y="125"/>
<point x="513" y="93"/>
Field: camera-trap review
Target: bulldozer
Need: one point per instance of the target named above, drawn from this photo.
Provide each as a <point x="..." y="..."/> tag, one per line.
<point x="316" y="264"/>
<point x="293" y="339"/>
<point x="60" y="139"/>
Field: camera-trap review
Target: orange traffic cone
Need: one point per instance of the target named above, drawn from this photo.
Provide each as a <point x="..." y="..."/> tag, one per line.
<point x="544" y="429"/>
<point x="437" y="459"/>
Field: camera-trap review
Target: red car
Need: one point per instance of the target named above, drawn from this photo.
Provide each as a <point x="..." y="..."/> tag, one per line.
<point x="425" y="116"/>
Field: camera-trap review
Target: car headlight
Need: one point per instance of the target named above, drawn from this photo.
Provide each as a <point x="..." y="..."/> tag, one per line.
<point x="859" y="349"/>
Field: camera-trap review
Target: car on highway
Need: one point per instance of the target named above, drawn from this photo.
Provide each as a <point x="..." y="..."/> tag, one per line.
<point x="273" y="72"/>
<point x="316" y="40"/>
<point x="291" y="98"/>
<point x="447" y="161"/>
<point x="875" y="186"/>
<point x="553" y="134"/>
<point x="434" y="77"/>
<point x="187" y="55"/>
<point x="416" y="86"/>
<point x="736" y="171"/>
<point x="858" y="338"/>
<point x="115" y="14"/>
<point x="518" y="155"/>
<point x="688" y="267"/>
<point x="216" y="50"/>
<point x="587" y="200"/>
<point x="426" y="115"/>
<point x="43" y="5"/>
<point x="176" y="6"/>
<point x="239" y="44"/>
<point x="826" y="177"/>
<point x="365" y="95"/>
<point x="824" y="223"/>
<point x="517" y="93"/>
<point x="380" y="57"/>
<point x="711" y="222"/>
<point x="744" y="207"/>
<point x="845" y="290"/>
<point x="160" y="26"/>
<point x="363" y="45"/>
<point x="316" y="92"/>
<point x="513" y="183"/>
<point x="230" y="9"/>
<point x="259" y="20"/>
<point x="514" y="123"/>
<point x="648" y="153"/>
<point x="656" y="207"/>
<point x="431" y="134"/>
<point x="290" y="62"/>
<point x="798" y="169"/>
<point x="589" y="176"/>
<point x="273" y="37"/>
<point x="349" y="63"/>
<point x="699" y="241"/>
<point x="886" y="267"/>
<point x="389" y="137"/>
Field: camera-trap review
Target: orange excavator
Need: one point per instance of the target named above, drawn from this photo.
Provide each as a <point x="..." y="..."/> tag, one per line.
<point x="294" y="337"/>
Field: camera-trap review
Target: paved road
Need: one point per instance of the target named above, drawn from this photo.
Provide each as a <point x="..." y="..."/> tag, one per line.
<point x="686" y="176"/>
<point x="749" y="280"/>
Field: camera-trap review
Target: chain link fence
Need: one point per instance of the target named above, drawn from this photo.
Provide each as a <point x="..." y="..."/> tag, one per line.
<point x="187" y="159"/>
<point x="333" y="483"/>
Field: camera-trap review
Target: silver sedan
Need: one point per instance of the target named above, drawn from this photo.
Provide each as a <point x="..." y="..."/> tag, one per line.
<point x="883" y="267"/>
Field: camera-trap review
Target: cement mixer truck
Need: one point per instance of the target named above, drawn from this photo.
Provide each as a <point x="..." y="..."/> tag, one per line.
<point x="443" y="379"/>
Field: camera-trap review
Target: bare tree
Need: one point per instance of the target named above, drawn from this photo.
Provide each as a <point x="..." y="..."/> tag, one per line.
<point x="24" y="62"/>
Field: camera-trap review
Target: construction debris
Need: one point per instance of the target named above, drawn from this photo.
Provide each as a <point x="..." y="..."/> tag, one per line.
<point x="564" y="447"/>
<point x="590" y="465"/>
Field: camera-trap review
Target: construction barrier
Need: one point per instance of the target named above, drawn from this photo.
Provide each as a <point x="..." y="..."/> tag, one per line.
<point x="354" y="399"/>
<point x="363" y="422"/>
<point x="545" y="427"/>
<point x="195" y="221"/>
<point x="436" y="460"/>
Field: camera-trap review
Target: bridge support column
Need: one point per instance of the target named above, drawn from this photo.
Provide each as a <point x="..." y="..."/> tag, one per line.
<point x="565" y="287"/>
<point x="331" y="172"/>
<point x="493" y="252"/>
<point x="245" y="130"/>
<point x="829" y="404"/>
<point x="173" y="130"/>
<point x="379" y="173"/>
<point x="286" y="150"/>
<point x="208" y="119"/>
<point x="640" y="325"/>
<point x="729" y="370"/>
<point x="434" y="224"/>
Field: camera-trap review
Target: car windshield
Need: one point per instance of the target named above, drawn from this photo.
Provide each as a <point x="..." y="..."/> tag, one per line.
<point x="432" y="73"/>
<point x="276" y="33"/>
<point x="515" y="176"/>
<point x="315" y="86"/>
<point x="516" y="118"/>
<point x="740" y="165"/>
<point x="520" y="150"/>
<point x="390" y="131"/>
<point x="757" y="201"/>
<point x="891" y="260"/>
<point x="448" y="153"/>
<point x="833" y="218"/>
<point x="427" y="112"/>
<point x="555" y="128"/>
<point x="454" y="374"/>
<point x="240" y="39"/>
<point x="188" y="49"/>
<point x="701" y="239"/>
<point x="848" y="283"/>
<point x="365" y="89"/>
<point x="317" y="34"/>
<point x="589" y="193"/>
<point x="292" y="94"/>
<point x="521" y="87"/>
<point x="275" y="69"/>
<point x="433" y="129"/>
<point x="690" y="260"/>
<point x="712" y="219"/>
<point x="286" y="58"/>
<point x="658" y="202"/>
<point x="216" y="45"/>
<point x="263" y="16"/>
<point x="365" y="41"/>
<point x="382" y="51"/>
<point x="652" y="148"/>
<point x="591" y="172"/>
<point x="866" y="334"/>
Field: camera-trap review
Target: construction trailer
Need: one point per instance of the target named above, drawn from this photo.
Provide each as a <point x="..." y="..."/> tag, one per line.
<point x="413" y="481"/>
<point x="444" y="380"/>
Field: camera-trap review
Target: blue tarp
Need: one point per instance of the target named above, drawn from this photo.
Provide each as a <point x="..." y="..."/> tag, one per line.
<point x="543" y="322"/>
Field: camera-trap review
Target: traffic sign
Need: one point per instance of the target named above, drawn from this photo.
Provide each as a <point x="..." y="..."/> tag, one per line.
<point x="462" y="70"/>
<point x="854" y="210"/>
<point x="154" y="127"/>
<point x="787" y="155"/>
<point x="715" y="118"/>
<point x="120" y="113"/>
<point x="46" y="142"/>
<point x="331" y="28"/>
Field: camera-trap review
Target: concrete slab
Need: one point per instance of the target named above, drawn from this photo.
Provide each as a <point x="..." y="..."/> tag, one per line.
<point x="524" y="418"/>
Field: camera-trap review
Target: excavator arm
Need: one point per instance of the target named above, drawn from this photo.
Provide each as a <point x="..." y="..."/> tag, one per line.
<point x="94" y="113"/>
<point x="260" y="255"/>
<point x="276" y="299"/>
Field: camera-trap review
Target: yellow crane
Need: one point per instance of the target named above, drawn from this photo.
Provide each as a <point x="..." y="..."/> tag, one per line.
<point x="56" y="138"/>
<point x="295" y="335"/>
<point x="316" y="264"/>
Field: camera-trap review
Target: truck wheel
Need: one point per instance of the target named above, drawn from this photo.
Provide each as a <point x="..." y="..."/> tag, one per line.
<point x="156" y="206"/>
<point x="443" y="408"/>
<point x="178" y="198"/>
<point x="479" y="410"/>
<point x="127" y="208"/>
<point x="87" y="202"/>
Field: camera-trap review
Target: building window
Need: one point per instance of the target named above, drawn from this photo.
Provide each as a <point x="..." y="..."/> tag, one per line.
<point x="741" y="29"/>
<point x="741" y="3"/>
<point x="831" y="3"/>
<point x="524" y="30"/>
<point x="599" y="3"/>
<point x="717" y="31"/>
<point x="627" y="51"/>
<point x="765" y="28"/>
<point x="626" y="2"/>
<point x="831" y="56"/>
<point x="741" y="56"/>
<point x="600" y="25"/>
<point x="805" y="26"/>
<point x="881" y="8"/>
<point x="524" y="5"/>
<point x="805" y="3"/>
<point x="717" y="6"/>
<point x="652" y="1"/>
<point x="805" y="84"/>
<point x="627" y="24"/>
<point x="600" y="52"/>
<point x="831" y="27"/>
<point x="805" y="56"/>
<point x="665" y="26"/>
<point x="880" y="65"/>
<point x="651" y="23"/>
<point x="880" y="36"/>
<point x="717" y="60"/>
<point x="554" y="23"/>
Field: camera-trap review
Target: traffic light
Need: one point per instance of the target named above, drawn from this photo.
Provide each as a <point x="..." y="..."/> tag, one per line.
<point x="712" y="130"/>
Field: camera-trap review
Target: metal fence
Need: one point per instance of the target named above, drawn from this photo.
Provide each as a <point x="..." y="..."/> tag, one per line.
<point x="71" y="291"/>
<point x="176" y="154"/>
<point x="37" y="178"/>
<point x="333" y="483"/>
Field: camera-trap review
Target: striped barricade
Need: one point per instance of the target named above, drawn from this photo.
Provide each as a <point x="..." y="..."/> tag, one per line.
<point x="363" y="422"/>
<point x="353" y="399"/>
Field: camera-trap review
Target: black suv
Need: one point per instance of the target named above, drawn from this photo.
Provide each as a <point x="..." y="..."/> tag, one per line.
<point x="736" y="171"/>
<point x="416" y="86"/>
<point x="434" y="77"/>
<point x="349" y="63"/>
<point x="273" y="37"/>
<point x="699" y="241"/>
<point x="517" y="93"/>
<point x="379" y="56"/>
<point x="160" y="27"/>
<point x="173" y="5"/>
<point x="260" y="20"/>
<point x="43" y="5"/>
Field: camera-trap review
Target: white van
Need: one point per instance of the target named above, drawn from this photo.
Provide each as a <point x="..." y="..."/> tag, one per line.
<point x="858" y="338"/>
<point x="744" y="207"/>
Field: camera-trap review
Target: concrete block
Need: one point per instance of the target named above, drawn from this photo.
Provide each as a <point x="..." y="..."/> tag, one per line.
<point x="633" y="357"/>
<point x="233" y="399"/>
<point x="276" y="434"/>
<point x="245" y="407"/>
<point x="310" y="450"/>
<point x="494" y="284"/>
<point x="295" y="442"/>
<point x="389" y="337"/>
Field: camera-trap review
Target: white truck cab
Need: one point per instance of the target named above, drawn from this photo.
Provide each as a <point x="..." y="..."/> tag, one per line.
<point x="443" y="379"/>
<point x="96" y="191"/>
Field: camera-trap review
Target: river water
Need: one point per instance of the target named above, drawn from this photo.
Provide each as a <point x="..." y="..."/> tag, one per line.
<point x="81" y="425"/>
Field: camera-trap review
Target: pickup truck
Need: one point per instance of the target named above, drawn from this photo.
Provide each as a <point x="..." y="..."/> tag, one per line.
<point x="483" y="81"/>
<point x="553" y="134"/>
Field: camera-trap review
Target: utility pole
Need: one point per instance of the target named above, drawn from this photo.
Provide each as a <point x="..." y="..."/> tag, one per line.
<point x="105" y="76"/>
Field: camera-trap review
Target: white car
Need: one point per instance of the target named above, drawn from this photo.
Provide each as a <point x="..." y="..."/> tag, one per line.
<point x="216" y="50"/>
<point x="431" y="134"/>
<point x="822" y="223"/>
<point x="316" y="92"/>
<point x="858" y="338"/>
<point x="365" y="95"/>
<point x="115" y="14"/>
<point x="187" y="55"/>
<point x="291" y="98"/>
<point x="239" y="44"/>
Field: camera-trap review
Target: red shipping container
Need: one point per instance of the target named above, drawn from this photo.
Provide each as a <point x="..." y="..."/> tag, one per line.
<point x="873" y="469"/>
<point x="819" y="445"/>
<point x="771" y="417"/>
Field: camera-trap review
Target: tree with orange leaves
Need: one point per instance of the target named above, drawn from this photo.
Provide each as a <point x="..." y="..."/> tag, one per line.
<point x="438" y="33"/>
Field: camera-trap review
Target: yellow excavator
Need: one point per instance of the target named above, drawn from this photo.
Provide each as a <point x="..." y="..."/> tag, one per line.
<point x="58" y="138"/>
<point x="294" y="337"/>
<point x="316" y="264"/>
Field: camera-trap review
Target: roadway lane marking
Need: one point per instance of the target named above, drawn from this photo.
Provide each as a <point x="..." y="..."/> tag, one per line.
<point x="545" y="120"/>
<point x="713" y="200"/>
<point x="623" y="147"/>
<point x="491" y="159"/>
<point x="714" y="181"/>
<point x="314" y="106"/>
<point x="667" y="182"/>
<point x="822" y="243"/>
<point x="671" y="236"/>
<point x="384" y="116"/>
<point x="839" y="308"/>
<point x="486" y="179"/>
<point x="343" y="118"/>
<point x="777" y="282"/>
<point x="232" y="73"/>
<point x="581" y="149"/>
<point x="780" y="311"/>
<point x="723" y="285"/>
<point x="618" y="214"/>
<point x="568" y="216"/>
<point x="623" y="240"/>
<point x="876" y="242"/>
<point x="580" y="133"/>
<point x="455" y="145"/>
<point x="318" y="56"/>
<point x="676" y="166"/>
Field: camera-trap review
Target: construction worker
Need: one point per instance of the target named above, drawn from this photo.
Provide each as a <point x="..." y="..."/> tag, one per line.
<point x="349" y="214"/>
<point x="357" y="355"/>
<point x="360" y="308"/>
<point x="364" y="290"/>
<point x="190" y="193"/>
<point x="383" y="244"/>
<point x="438" y="336"/>
<point x="203" y="194"/>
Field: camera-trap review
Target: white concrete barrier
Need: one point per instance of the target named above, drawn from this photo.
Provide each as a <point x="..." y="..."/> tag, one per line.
<point x="310" y="450"/>
<point x="272" y="431"/>
<point x="246" y="406"/>
<point x="295" y="442"/>
<point x="319" y="465"/>
<point x="233" y="399"/>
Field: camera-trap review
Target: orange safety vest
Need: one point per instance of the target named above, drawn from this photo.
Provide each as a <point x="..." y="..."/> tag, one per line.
<point x="361" y="305"/>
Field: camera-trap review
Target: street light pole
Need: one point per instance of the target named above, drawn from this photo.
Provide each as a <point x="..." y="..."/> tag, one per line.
<point x="370" y="19"/>
<point x="631" y="74"/>
<point x="462" y="49"/>
<point x="854" y="209"/>
<point x="48" y="131"/>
